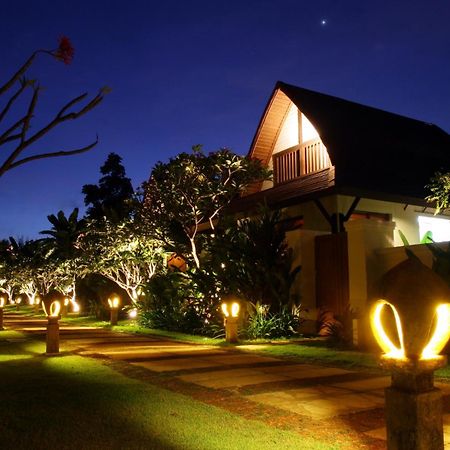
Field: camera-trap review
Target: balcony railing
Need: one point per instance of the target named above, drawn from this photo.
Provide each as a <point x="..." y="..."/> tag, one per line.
<point x="295" y="162"/>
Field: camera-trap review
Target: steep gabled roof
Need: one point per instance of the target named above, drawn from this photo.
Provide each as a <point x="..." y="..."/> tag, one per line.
<point x="371" y="149"/>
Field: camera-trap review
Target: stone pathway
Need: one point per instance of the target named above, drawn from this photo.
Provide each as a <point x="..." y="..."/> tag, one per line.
<point x="302" y="391"/>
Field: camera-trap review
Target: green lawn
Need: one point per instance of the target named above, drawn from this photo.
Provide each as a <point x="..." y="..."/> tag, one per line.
<point x="71" y="402"/>
<point x="317" y="354"/>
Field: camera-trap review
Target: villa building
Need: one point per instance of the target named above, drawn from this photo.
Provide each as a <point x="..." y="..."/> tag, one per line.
<point x="346" y="177"/>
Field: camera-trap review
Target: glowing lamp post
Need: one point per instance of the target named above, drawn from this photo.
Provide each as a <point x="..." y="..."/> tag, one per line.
<point x="114" y="304"/>
<point x="230" y="311"/>
<point x="2" y="305"/>
<point x="411" y="323"/>
<point x="18" y="302"/>
<point x="52" y="327"/>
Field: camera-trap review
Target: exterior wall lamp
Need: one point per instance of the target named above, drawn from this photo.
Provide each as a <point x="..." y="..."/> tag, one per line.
<point x="411" y="323"/>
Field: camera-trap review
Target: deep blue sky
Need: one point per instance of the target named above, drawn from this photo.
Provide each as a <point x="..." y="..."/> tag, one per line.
<point x="188" y="72"/>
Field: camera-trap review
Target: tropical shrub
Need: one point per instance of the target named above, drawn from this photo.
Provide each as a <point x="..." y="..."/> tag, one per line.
<point x="252" y="259"/>
<point x="173" y="302"/>
<point x="262" y="324"/>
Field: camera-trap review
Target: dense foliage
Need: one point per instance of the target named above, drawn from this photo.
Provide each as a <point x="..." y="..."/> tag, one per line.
<point x="172" y="253"/>
<point x="439" y="189"/>
<point x="191" y="191"/>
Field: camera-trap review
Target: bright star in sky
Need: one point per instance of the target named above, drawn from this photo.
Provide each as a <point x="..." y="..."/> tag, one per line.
<point x="323" y="22"/>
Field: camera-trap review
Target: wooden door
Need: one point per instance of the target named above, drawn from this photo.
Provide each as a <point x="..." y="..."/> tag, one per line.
<point x="331" y="254"/>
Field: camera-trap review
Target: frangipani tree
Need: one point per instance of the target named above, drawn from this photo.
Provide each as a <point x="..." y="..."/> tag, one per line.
<point x="192" y="190"/>
<point x="35" y="268"/>
<point x="8" y="279"/>
<point x="121" y="254"/>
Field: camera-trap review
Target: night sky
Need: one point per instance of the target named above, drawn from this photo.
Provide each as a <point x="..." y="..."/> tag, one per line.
<point x="190" y="72"/>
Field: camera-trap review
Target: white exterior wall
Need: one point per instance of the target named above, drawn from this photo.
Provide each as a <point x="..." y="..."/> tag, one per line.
<point x="406" y="220"/>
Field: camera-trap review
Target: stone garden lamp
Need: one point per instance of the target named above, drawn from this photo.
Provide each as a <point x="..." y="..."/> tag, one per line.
<point x="410" y="320"/>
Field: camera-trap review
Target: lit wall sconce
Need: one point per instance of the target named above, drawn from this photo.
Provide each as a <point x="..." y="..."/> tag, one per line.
<point x="114" y="305"/>
<point x="230" y="311"/>
<point x="53" y="317"/>
<point x="410" y="321"/>
<point x="2" y="305"/>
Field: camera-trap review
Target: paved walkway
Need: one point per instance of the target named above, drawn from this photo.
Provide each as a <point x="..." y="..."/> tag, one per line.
<point x="301" y="394"/>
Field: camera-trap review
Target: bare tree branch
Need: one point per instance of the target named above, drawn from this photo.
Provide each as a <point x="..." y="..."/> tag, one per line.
<point x="29" y="115"/>
<point x="16" y="77"/>
<point x="59" y="118"/>
<point x="53" y="154"/>
<point x="12" y="100"/>
<point x="70" y="104"/>
<point x="20" y="130"/>
<point x="5" y="136"/>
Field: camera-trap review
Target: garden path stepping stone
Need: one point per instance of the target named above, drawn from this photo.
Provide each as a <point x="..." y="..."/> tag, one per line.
<point x="171" y="365"/>
<point x="313" y="403"/>
<point x="231" y="378"/>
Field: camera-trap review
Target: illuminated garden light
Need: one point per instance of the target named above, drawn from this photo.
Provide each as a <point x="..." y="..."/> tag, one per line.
<point x="132" y="313"/>
<point x="431" y="349"/>
<point x="230" y="311"/>
<point x="55" y="308"/>
<point x="441" y="333"/>
<point x="114" y="304"/>
<point x="389" y="348"/>
<point x="52" y="339"/>
<point x="419" y="301"/>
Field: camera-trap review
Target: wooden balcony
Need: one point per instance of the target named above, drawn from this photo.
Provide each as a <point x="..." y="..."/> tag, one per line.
<point x="298" y="161"/>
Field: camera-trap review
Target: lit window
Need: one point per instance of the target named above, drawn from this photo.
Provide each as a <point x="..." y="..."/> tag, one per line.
<point x="439" y="228"/>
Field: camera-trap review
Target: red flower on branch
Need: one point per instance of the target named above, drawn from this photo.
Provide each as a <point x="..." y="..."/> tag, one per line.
<point x="65" y="50"/>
